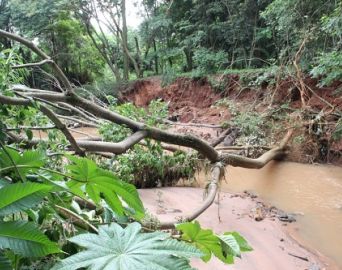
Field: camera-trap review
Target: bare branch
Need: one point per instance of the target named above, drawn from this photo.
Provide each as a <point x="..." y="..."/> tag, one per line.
<point x="43" y="62"/>
<point x="221" y="138"/>
<point x="39" y="52"/>
<point x="73" y="119"/>
<point x="62" y="127"/>
<point x="75" y="219"/>
<point x="31" y="128"/>
<point x="191" y="124"/>
<point x="79" y="112"/>
<point x="245" y="162"/>
<point x="216" y="175"/>
<point x="24" y="88"/>
<point x="115" y="148"/>
<point x="50" y="114"/>
<point x="51" y="97"/>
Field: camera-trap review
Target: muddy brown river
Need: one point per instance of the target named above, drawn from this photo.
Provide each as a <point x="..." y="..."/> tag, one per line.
<point x="314" y="192"/>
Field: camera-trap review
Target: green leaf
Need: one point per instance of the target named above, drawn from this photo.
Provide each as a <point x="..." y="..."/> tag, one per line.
<point x="243" y="244"/>
<point x="128" y="249"/>
<point x="204" y="240"/>
<point x="225" y="247"/>
<point x="99" y="183"/>
<point x="32" y="160"/>
<point x="5" y="263"/>
<point x="24" y="239"/>
<point x="21" y="196"/>
<point x="230" y="245"/>
<point x="29" y="134"/>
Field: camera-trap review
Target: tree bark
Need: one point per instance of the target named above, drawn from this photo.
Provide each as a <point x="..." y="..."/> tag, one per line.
<point x="124" y="40"/>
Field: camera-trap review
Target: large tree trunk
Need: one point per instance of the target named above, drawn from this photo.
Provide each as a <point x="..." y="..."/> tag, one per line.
<point x="156" y="63"/>
<point x="189" y="62"/>
<point x="139" y="62"/>
<point x="124" y="41"/>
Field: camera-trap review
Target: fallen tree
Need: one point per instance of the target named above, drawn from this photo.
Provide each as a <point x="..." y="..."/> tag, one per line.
<point x="92" y="112"/>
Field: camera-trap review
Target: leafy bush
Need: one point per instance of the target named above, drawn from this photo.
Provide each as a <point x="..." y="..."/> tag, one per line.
<point x="148" y="165"/>
<point x="152" y="116"/>
<point x="168" y="77"/>
<point x="249" y="123"/>
<point x="208" y="61"/>
<point x="329" y="68"/>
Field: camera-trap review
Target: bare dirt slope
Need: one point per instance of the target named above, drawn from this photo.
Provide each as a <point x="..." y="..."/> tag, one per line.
<point x="272" y="245"/>
<point x="189" y="100"/>
<point x="194" y="101"/>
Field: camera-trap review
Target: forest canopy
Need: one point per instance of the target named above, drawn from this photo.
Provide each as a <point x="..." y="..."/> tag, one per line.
<point x="91" y="41"/>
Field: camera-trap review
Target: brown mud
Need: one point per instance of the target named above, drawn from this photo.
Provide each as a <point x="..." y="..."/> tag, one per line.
<point x="274" y="247"/>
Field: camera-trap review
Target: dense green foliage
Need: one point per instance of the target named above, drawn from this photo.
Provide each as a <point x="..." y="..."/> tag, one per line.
<point x="89" y="39"/>
<point x="146" y="165"/>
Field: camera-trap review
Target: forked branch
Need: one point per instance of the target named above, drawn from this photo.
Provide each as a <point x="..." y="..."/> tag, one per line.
<point x="88" y="109"/>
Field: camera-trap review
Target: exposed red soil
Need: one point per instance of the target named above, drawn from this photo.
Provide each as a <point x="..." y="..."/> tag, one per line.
<point x="189" y="100"/>
<point x="287" y="90"/>
<point x="193" y="100"/>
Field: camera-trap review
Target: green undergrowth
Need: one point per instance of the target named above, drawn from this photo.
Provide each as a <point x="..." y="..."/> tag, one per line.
<point x="147" y="164"/>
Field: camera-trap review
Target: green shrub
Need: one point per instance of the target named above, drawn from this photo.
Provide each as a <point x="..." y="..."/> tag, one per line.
<point x="168" y="77"/>
<point x="208" y="61"/>
<point x="328" y="68"/>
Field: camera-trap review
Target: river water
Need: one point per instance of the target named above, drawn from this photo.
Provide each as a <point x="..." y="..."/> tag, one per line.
<point x="314" y="192"/>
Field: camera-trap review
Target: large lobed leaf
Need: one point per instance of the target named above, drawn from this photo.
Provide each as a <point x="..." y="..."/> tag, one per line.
<point x="128" y="249"/>
<point x="24" y="239"/>
<point x="5" y="263"/>
<point x="205" y="240"/>
<point x="99" y="183"/>
<point x="225" y="247"/>
<point x="31" y="160"/>
<point x="21" y="196"/>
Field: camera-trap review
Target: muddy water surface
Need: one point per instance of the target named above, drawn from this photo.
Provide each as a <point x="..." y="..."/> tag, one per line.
<point x="312" y="191"/>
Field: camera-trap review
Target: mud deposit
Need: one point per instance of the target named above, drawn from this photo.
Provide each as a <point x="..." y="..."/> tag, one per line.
<point x="311" y="193"/>
<point x="273" y="247"/>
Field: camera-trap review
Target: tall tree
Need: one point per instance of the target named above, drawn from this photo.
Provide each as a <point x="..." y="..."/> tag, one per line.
<point x="105" y="22"/>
